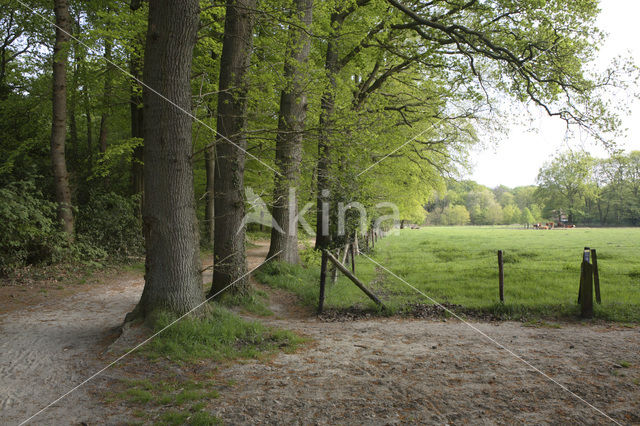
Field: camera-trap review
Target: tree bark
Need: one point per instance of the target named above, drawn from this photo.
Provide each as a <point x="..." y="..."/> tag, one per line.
<point x="73" y="121"/>
<point x="59" y="125"/>
<point x="293" y="111"/>
<point x="137" y="124"/>
<point x="327" y="110"/>
<point x="106" y="98"/>
<point x="209" y="207"/>
<point x="229" y="247"/>
<point x="87" y="112"/>
<point x="173" y="281"/>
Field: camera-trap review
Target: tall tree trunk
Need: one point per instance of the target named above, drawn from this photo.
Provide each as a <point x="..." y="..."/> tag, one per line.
<point x="73" y="122"/>
<point x="59" y="126"/>
<point x="327" y="110"/>
<point x="137" y="124"/>
<point x="87" y="113"/>
<point x="106" y="98"/>
<point x="293" y="111"/>
<point x="229" y="250"/>
<point x="209" y="207"/>
<point x="173" y="281"/>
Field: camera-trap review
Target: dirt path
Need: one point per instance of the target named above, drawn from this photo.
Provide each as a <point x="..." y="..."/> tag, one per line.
<point x="49" y="348"/>
<point x="375" y="372"/>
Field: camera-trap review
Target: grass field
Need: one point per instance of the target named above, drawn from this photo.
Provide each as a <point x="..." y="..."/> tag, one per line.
<point x="458" y="265"/>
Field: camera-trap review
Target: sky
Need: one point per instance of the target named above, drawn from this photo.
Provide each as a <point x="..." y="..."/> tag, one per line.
<point x="516" y="159"/>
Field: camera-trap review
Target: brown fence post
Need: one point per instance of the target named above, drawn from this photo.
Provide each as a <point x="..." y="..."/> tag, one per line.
<point x="353" y="256"/>
<point x="334" y="270"/>
<point x="586" y="286"/>
<point x="501" y="275"/>
<point x="596" y="274"/>
<point x="323" y="280"/>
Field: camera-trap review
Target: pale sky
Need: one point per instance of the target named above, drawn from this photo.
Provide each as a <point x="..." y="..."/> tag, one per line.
<point x="516" y="159"/>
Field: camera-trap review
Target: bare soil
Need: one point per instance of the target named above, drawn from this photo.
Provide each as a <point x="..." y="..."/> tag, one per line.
<point x="373" y="371"/>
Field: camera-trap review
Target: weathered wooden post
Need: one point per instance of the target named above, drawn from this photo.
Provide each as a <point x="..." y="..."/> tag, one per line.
<point x="334" y="270"/>
<point x="596" y="274"/>
<point x="356" y="244"/>
<point x="501" y="275"/>
<point x="323" y="280"/>
<point x="586" y="286"/>
<point x="353" y="255"/>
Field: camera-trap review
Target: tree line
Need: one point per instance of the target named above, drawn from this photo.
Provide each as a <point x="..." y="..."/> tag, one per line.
<point x="130" y="122"/>
<point x="573" y="188"/>
<point x="469" y="203"/>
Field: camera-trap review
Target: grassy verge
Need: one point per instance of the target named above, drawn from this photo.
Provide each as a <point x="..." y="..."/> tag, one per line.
<point x="457" y="266"/>
<point x="220" y="336"/>
<point x="253" y="303"/>
<point x="174" y="375"/>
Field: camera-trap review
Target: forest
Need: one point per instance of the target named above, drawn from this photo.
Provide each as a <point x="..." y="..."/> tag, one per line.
<point x="201" y="141"/>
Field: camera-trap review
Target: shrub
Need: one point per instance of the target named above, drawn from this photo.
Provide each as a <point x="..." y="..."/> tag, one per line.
<point x="109" y="222"/>
<point x="28" y="227"/>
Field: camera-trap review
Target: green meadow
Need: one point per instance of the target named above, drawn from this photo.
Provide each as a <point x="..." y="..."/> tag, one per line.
<point x="458" y="265"/>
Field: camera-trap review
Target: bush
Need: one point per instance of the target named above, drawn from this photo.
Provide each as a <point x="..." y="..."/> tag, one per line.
<point x="109" y="223"/>
<point x="28" y="227"/>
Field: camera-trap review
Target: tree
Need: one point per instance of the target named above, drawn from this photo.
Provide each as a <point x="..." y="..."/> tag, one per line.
<point x="455" y="215"/>
<point x="59" y="122"/>
<point x="293" y="111"/>
<point x="530" y="49"/>
<point x="173" y="280"/>
<point x="229" y="238"/>
<point x="565" y="182"/>
<point x="527" y="218"/>
<point x="511" y="214"/>
<point x="483" y="207"/>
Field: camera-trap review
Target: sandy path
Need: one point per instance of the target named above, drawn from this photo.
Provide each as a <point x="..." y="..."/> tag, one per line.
<point x="47" y="349"/>
<point x="381" y="371"/>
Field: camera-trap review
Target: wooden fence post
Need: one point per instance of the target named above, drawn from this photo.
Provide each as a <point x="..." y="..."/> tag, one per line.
<point x="586" y="286"/>
<point x="596" y="274"/>
<point x="334" y="271"/>
<point x="501" y="275"/>
<point x="323" y="280"/>
<point x="353" y="256"/>
<point x="356" y="244"/>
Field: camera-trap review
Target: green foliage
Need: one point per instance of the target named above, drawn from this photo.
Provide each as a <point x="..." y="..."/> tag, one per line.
<point x="109" y="222"/>
<point x="455" y="215"/>
<point x="28" y="227"/>
<point x="527" y="217"/>
<point x="564" y="183"/>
